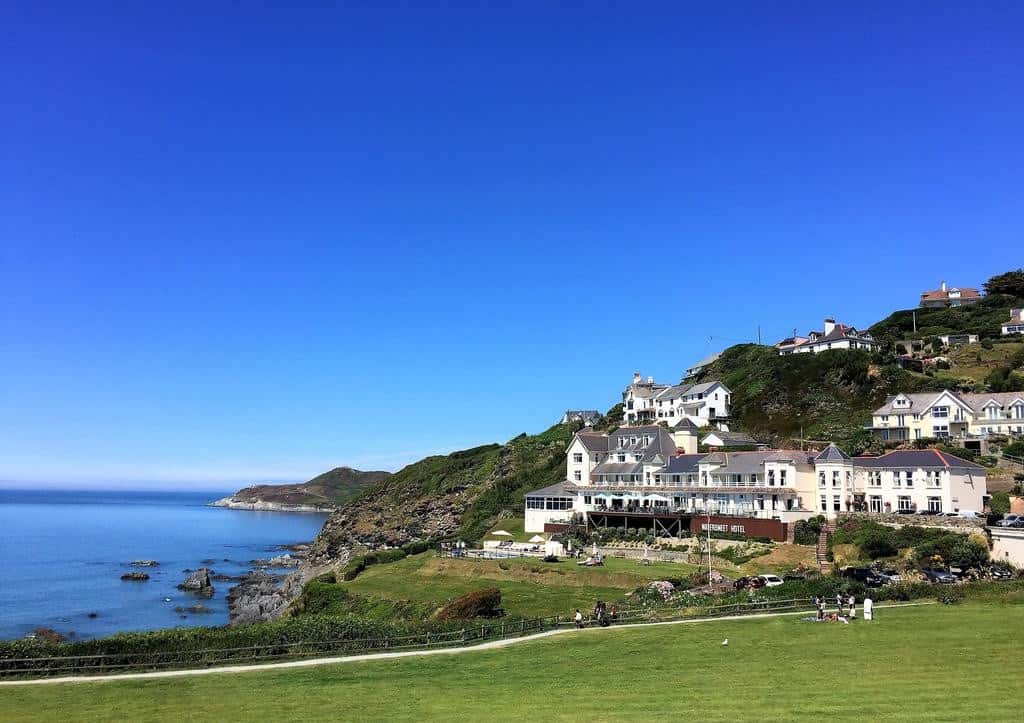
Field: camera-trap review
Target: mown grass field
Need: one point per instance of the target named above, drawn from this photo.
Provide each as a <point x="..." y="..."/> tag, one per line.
<point x="931" y="662"/>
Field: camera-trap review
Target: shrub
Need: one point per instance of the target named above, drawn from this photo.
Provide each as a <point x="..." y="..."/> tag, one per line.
<point x="328" y="577"/>
<point x="357" y="564"/>
<point x="484" y="603"/>
<point x="986" y="344"/>
<point x="416" y="547"/>
<point x="999" y="503"/>
<point x="806" y="531"/>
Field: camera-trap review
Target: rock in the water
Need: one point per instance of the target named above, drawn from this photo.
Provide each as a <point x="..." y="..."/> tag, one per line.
<point x="144" y="563"/>
<point x="198" y="609"/>
<point x="199" y="583"/>
<point x="135" y="576"/>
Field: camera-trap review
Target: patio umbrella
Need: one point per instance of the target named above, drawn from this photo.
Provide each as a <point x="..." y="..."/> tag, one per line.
<point x="537" y="538"/>
<point x="501" y="533"/>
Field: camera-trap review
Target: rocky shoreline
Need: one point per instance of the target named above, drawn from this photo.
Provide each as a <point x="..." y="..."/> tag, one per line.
<point x="258" y="505"/>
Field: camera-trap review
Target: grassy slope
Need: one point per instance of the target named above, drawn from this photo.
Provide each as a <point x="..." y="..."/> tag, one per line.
<point x="335" y="487"/>
<point x="528" y="587"/>
<point x="831" y="394"/>
<point x="460" y="494"/>
<point x="924" y="663"/>
<point x="982" y="318"/>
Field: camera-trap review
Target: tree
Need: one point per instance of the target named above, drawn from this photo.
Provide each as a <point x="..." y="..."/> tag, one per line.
<point x="900" y="349"/>
<point x="999" y="503"/>
<point x="936" y="344"/>
<point x="1011" y="283"/>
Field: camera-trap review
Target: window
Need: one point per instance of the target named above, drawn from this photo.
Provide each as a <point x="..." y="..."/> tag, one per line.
<point x="821" y="479"/>
<point x="782" y="477"/>
<point x="908" y="478"/>
<point x="903" y="503"/>
<point x="534" y="503"/>
<point x="557" y="503"/>
<point x="824" y="503"/>
<point x="940" y="412"/>
<point x="577" y="458"/>
<point x="875" y="478"/>
<point x="835" y="479"/>
<point x="940" y="430"/>
<point x="875" y="503"/>
<point x="675" y="479"/>
<point x="771" y="478"/>
<point x="577" y="476"/>
<point x="837" y="503"/>
<point x="935" y="504"/>
<point x="622" y="458"/>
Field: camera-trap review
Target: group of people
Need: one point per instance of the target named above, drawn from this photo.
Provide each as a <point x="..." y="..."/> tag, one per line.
<point x="604" y="615"/>
<point x="846" y="609"/>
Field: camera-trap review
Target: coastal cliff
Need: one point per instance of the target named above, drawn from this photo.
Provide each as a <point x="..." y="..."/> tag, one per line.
<point x="320" y="494"/>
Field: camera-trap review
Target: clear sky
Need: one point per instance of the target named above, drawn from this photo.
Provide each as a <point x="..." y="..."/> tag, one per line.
<point x="251" y="241"/>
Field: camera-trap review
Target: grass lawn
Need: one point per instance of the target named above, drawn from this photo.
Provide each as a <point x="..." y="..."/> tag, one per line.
<point x="924" y="663"/>
<point x="528" y="587"/>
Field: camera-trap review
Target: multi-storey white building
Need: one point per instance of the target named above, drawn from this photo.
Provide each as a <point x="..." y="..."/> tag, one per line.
<point x="949" y="414"/>
<point x="833" y="336"/>
<point x="638" y="472"/>
<point x="705" y="404"/>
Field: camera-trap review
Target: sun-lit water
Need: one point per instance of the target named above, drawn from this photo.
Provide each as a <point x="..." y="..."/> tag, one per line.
<point x="62" y="555"/>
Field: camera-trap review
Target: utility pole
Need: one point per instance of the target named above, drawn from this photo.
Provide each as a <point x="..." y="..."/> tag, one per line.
<point x="759" y="335"/>
<point x="708" y="513"/>
<point x="914" y="314"/>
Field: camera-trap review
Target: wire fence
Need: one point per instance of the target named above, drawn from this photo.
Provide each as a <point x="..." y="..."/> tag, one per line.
<point x="104" y="663"/>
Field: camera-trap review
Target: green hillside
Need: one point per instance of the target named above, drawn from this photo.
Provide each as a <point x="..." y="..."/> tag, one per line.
<point x="982" y="318"/>
<point x="829" y="396"/>
<point x="332" y="488"/>
<point x="455" y="495"/>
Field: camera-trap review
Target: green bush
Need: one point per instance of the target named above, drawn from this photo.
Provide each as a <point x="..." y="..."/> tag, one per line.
<point x="417" y="547"/>
<point x="357" y="564"/>
<point x="806" y="531"/>
<point x="999" y="503"/>
<point x="484" y="603"/>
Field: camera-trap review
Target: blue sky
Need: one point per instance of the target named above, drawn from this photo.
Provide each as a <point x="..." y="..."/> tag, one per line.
<point x="246" y="242"/>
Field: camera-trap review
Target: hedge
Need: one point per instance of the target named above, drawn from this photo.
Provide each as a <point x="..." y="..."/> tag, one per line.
<point x="485" y="603"/>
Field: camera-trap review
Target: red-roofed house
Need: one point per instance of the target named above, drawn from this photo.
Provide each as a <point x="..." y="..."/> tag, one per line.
<point x="945" y="296"/>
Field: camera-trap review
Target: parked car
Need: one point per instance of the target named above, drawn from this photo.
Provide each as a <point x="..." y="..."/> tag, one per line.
<point x="1018" y="523"/>
<point x="771" y="580"/>
<point x="865" y="575"/>
<point x="890" y="576"/>
<point x="1009" y="520"/>
<point x="937" y="574"/>
<point x="970" y="514"/>
<point x="998" y="572"/>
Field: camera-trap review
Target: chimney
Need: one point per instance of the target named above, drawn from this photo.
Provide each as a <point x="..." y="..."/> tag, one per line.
<point x="636" y="377"/>
<point x="943" y="285"/>
<point x="830" y="324"/>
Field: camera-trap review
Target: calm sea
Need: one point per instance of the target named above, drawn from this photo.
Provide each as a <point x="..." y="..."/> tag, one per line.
<point x="62" y="555"/>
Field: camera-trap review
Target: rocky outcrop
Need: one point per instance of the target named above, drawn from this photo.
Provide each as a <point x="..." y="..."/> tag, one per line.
<point x="198" y="583"/>
<point x="135" y="576"/>
<point x="260" y="505"/>
<point x="261" y="597"/>
<point x="144" y="563"/>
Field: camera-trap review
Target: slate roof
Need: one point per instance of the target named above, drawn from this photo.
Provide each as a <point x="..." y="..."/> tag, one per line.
<point x="917" y="458"/>
<point x="618" y="468"/>
<point x="732" y="439"/>
<point x="594" y="441"/>
<point x="683" y="463"/>
<point x="974" y="401"/>
<point x="832" y="453"/>
<point x="555" y="490"/>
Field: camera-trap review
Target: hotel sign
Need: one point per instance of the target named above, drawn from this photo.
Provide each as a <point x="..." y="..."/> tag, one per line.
<point x="704" y="526"/>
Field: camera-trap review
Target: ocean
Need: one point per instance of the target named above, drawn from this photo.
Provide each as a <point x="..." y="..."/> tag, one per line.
<point x="62" y="554"/>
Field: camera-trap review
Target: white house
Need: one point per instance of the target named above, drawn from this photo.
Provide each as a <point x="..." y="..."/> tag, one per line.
<point x="1016" y="323"/>
<point x="949" y="296"/>
<point x="705" y="404"/>
<point x="949" y="414"/>
<point x="958" y="339"/>
<point x="833" y="336"/>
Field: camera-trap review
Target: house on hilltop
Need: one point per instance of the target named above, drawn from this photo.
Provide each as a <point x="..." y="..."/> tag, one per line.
<point x="949" y="296"/>
<point x="1016" y="323"/>
<point x="832" y="336"/>
<point x="589" y="417"/>
<point x="647" y="402"/>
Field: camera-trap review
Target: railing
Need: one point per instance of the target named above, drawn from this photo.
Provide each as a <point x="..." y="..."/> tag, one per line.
<point x="106" y="663"/>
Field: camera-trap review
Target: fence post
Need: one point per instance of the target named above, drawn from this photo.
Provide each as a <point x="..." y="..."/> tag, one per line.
<point x="463" y="636"/>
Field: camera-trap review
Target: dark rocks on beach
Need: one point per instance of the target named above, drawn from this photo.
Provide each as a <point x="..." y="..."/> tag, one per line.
<point x="49" y="635"/>
<point x="199" y="583"/>
<point x="221" y="577"/>
<point x="135" y="576"/>
<point x="144" y="563"/>
<point x="262" y="597"/>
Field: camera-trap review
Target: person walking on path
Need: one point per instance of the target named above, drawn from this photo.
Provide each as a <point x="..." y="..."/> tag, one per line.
<point x="578" y="618"/>
<point x="839" y="603"/>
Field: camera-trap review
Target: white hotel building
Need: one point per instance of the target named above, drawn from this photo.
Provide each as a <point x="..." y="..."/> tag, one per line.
<point x="646" y="472"/>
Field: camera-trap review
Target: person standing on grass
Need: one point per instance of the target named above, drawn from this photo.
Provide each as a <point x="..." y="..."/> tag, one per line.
<point x="853" y="607"/>
<point x="869" y="609"/>
<point x="839" y="603"/>
<point x="578" y="618"/>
